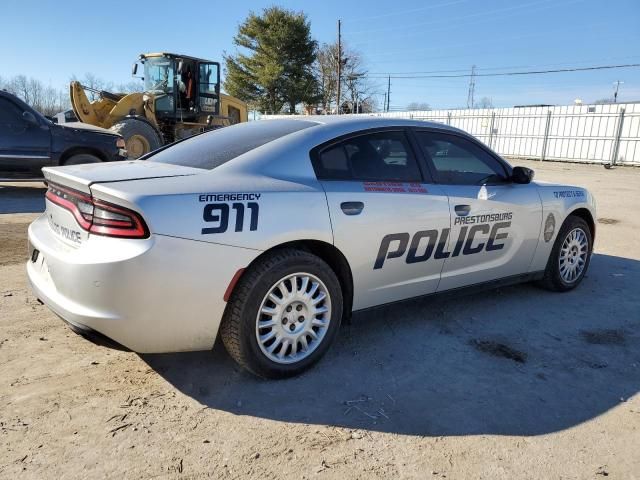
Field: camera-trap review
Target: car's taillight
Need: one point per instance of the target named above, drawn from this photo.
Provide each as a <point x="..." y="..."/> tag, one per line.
<point x="97" y="216"/>
<point x="78" y="203"/>
<point x="115" y="221"/>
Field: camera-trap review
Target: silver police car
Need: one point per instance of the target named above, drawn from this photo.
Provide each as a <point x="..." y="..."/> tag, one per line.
<point x="271" y="233"/>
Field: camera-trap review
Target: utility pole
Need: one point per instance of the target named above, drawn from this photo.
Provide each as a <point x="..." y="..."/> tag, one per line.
<point x="388" y="92"/>
<point x="472" y="87"/>
<point x="339" y="66"/>
<point x="384" y="103"/>
<point x="615" y="93"/>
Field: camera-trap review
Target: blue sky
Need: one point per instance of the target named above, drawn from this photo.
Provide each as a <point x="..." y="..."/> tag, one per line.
<point x="52" y="40"/>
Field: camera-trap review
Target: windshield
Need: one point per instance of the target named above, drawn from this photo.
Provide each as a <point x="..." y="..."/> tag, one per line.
<point x="158" y="75"/>
<point x="212" y="149"/>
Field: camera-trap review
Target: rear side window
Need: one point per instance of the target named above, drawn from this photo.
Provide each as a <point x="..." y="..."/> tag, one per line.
<point x="212" y="149"/>
<point x="380" y="156"/>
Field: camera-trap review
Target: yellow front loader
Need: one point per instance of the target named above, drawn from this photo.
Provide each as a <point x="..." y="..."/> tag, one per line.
<point x="182" y="97"/>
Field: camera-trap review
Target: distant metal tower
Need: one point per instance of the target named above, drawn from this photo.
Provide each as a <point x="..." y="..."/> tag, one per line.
<point x="472" y="87"/>
<point x="617" y="84"/>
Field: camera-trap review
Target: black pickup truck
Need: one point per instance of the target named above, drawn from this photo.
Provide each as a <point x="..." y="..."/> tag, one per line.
<point x="29" y="141"/>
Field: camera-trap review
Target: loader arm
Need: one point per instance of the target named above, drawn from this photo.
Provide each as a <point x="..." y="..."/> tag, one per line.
<point x="82" y="107"/>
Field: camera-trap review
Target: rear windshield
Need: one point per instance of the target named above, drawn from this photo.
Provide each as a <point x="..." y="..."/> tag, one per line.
<point x="212" y="149"/>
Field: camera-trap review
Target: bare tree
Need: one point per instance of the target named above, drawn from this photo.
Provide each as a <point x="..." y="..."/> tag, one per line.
<point x="130" y="87"/>
<point x="19" y="85"/>
<point x="415" y="106"/>
<point x="49" y="100"/>
<point x="44" y="98"/>
<point x="326" y="67"/>
<point x="485" y="102"/>
<point x="93" y="82"/>
<point x="358" y="92"/>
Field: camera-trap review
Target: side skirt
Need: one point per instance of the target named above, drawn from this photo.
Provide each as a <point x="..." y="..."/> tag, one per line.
<point x="469" y="289"/>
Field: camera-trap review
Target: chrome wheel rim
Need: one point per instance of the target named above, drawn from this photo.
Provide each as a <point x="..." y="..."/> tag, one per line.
<point x="293" y="318"/>
<point x="573" y="255"/>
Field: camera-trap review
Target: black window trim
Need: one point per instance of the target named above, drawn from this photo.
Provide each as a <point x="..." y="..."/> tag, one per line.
<point x="470" y="138"/>
<point x="315" y="152"/>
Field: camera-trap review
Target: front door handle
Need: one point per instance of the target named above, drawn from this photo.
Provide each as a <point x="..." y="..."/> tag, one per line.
<point x="463" y="210"/>
<point x="352" y="208"/>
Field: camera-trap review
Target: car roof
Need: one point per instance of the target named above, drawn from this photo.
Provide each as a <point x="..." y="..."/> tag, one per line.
<point x="175" y="55"/>
<point x="21" y="103"/>
<point x="327" y="127"/>
<point x="363" y="122"/>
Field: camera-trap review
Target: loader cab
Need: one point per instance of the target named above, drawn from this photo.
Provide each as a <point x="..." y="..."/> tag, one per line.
<point x="185" y="89"/>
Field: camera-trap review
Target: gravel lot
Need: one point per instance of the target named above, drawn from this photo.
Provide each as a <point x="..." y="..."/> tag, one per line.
<point x="511" y="383"/>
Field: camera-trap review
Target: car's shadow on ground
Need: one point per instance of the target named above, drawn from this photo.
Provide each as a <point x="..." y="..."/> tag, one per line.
<point x="28" y="198"/>
<point x="514" y="361"/>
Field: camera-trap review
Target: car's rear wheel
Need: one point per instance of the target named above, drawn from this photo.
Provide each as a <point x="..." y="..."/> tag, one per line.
<point x="283" y="314"/>
<point x="570" y="256"/>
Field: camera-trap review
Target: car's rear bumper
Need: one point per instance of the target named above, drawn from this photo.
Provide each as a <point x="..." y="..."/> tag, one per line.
<point x="161" y="294"/>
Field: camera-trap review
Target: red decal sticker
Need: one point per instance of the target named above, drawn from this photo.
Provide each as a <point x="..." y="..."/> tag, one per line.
<point x="394" y="187"/>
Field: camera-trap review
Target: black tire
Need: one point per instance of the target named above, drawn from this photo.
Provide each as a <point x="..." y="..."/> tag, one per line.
<point x="81" y="158"/>
<point x="238" y="328"/>
<point x="139" y="136"/>
<point x="552" y="279"/>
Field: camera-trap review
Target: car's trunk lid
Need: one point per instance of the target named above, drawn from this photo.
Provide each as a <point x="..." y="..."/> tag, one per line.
<point x="81" y="177"/>
<point x="70" y="192"/>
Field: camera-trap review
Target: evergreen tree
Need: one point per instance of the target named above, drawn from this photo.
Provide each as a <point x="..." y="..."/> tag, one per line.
<point x="274" y="66"/>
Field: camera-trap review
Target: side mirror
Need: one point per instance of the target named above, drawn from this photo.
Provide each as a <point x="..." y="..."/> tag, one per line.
<point x="179" y="67"/>
<point x="134" y="68"/>
<point x="521" y="175"/>
<point x="30" y="118"/>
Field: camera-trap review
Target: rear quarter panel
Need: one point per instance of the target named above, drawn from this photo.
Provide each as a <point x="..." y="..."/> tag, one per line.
<point x="558" y="202"/>
<point x="255" y="203"/>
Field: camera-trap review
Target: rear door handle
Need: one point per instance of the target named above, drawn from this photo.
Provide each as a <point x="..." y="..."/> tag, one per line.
<point x="352" y="208"/>
<point x="463" y="210"/>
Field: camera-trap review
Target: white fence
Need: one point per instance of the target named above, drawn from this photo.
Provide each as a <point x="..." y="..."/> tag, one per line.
<point x="576" y="133"/>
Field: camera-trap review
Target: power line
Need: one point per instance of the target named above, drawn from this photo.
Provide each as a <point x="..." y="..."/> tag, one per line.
<point x="454" y="19"/>
<point x="402" y="51"/>
<point x="521" y="50"/>
<point x="403" y="12"/>
<point x="531" y="72"/>
<point x="413" y="30"/>
<point x="483" y="69"/>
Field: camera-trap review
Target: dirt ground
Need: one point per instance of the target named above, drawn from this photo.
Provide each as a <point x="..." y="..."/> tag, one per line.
<point x="511" y="383"/>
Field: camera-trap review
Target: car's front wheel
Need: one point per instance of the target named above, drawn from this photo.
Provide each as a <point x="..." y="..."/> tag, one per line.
<point x="283" y="314"/>
<point x="570" y="256"/>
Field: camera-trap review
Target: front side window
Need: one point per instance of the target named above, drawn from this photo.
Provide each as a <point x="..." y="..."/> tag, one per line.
<point x="158" y="75"/>
<point x="10" y="114"/>
<point x="458" y="161"/>
<point x="381" y="156"/>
